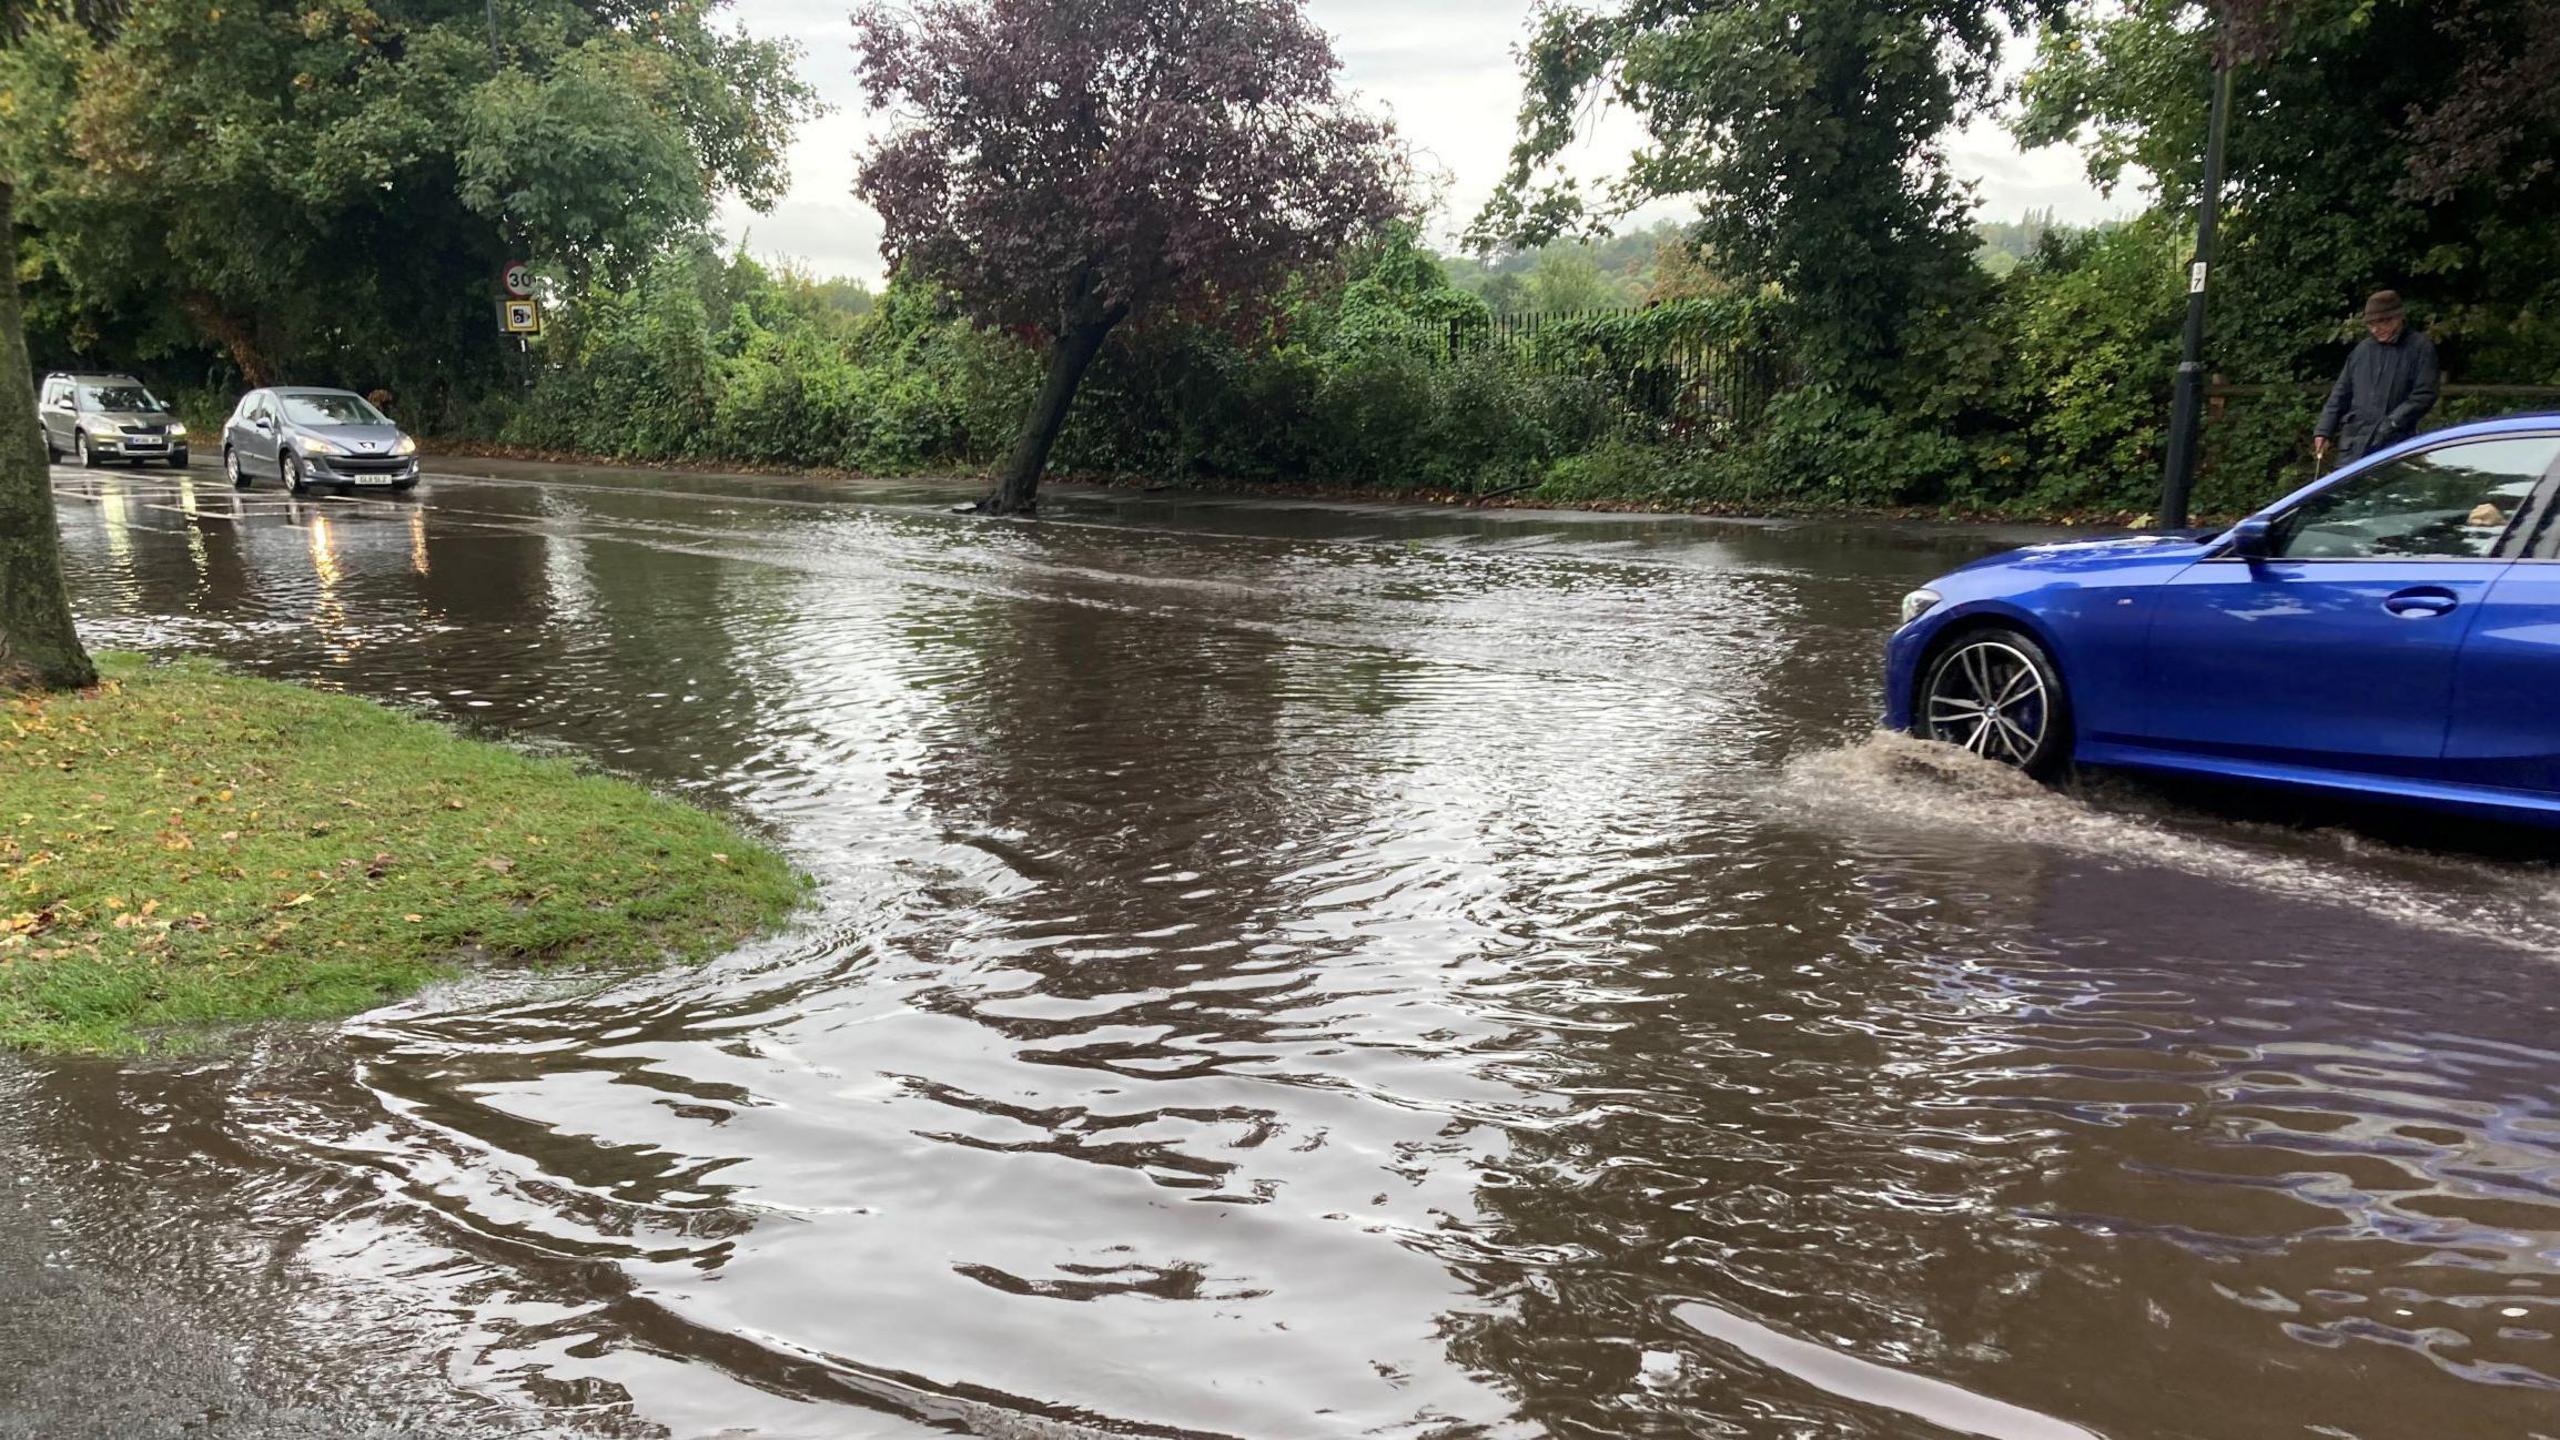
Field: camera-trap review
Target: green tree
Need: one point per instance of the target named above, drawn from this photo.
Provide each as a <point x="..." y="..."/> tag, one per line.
<point x="1568" y="281"/>
<point x="328" y="188"/>
<point x="38" y="646"/>
<point x="1811" y="130"/>
<point x="2002" y="245"/>
<point x="2407" y="144"/>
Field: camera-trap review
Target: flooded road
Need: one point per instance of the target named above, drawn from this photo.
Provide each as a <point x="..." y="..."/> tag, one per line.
<point x="1291" y="971"/>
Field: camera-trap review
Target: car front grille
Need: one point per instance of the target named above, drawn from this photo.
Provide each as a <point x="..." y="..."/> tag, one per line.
<point x="145" y="429"/>
<point x="368" y="464"/>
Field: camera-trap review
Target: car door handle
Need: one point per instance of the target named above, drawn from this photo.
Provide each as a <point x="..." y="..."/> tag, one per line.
<point x="2421" y="603"/>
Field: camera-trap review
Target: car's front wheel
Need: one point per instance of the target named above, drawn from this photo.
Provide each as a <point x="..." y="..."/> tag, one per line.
<point x="1998" y="694"/>
<point x="293" y="480"/>
<point x="88" y="461"/>
<point x="231" y="470"/>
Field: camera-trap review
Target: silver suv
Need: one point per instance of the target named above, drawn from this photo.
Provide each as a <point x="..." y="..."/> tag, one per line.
<point x="108" y="417"/>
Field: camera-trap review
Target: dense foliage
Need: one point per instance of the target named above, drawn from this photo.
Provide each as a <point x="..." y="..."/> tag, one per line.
<point x="1833" y="329"/>
<point x="1813" y="128"/>
<point x="328" y="189"/>
<point x="711" y="358"/>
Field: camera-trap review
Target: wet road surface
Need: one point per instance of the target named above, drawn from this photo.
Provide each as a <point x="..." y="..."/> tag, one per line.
<point x="1291" y="970"/>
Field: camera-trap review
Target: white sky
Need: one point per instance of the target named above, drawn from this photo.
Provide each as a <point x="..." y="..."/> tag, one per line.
<point x="1443" y="69"/>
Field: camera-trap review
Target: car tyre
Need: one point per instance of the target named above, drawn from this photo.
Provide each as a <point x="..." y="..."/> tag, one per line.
<point x="293" y="480"/>
<point x="177" y="462"/>
<point x="80" y="444"/>
<point x="1997" y="693"/>
<point x="231" y="470"/>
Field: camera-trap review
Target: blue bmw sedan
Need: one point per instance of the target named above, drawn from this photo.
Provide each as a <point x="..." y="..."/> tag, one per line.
<point x="2391" y="632"/>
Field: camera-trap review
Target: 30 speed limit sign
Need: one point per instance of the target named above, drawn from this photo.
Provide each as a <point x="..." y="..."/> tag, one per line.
<point x="518" y="280"/>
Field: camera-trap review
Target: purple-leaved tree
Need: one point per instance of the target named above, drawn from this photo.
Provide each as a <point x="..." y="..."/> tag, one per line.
<point x="1063" y="165"/>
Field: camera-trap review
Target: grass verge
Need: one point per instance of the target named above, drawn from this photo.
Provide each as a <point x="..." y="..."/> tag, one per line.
<point x="184" y="847"/>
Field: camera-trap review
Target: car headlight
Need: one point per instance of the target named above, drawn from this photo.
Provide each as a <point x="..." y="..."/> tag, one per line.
<point x="407" y="446"/>
<point x="177" y="431"/>
<point x="103" y="428"/>
<point x="1919" y="603"/>
<point x="317" y="446"/>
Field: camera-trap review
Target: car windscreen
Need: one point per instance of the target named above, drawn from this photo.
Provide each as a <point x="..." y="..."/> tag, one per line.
<point x="118" y="397"/>
<point x="331" y="410"/>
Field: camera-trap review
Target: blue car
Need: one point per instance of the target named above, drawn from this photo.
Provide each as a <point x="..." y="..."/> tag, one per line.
<point x="2391" y="632"/>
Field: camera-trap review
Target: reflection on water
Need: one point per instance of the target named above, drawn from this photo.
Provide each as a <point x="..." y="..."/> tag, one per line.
<point x="1296" y="970"/>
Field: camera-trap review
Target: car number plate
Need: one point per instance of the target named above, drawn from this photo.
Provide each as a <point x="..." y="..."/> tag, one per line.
<point x="145" y="443"/>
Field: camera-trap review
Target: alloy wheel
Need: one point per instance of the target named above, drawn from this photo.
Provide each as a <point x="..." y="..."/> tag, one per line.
<point x="1990" y="697"/>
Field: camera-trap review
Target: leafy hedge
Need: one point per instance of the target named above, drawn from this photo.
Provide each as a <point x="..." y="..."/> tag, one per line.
<point x="2039" y="392"/>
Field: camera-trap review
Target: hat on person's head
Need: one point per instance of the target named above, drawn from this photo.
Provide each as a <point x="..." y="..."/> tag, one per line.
<point x="2383" y="305"/>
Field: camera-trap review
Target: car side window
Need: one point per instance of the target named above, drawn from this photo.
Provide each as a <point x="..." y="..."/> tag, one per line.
<point x="2455" y="502"/>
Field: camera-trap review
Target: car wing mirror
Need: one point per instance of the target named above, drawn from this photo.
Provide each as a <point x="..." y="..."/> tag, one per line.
<point x="2251" y="539"/>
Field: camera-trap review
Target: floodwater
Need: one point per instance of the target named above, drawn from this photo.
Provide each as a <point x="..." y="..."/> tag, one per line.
<point x="1292" y="971"/>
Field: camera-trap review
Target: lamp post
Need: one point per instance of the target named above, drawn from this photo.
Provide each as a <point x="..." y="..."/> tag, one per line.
<point x="2186" y="410"/>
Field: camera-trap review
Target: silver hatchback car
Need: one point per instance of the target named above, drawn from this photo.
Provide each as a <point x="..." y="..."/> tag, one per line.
<point x="307" y="437"/>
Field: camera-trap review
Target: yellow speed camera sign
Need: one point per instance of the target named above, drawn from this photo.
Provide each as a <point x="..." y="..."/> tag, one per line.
<point x="520" y="317"/>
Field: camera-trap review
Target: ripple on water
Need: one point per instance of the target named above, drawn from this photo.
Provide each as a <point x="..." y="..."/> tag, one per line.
<point x="1275" y="979"/>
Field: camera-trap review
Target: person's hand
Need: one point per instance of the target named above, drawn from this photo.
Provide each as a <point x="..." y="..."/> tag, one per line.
<point x="2319" y="447"/>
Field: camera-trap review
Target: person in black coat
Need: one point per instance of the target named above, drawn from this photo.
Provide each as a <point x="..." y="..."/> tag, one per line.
<point x="2389" y="385"/>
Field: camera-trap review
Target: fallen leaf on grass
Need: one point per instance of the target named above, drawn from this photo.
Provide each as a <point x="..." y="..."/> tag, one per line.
<point x="499" y="863"/>
<point x="413" y="919"/>
<point x="305" y="898"/>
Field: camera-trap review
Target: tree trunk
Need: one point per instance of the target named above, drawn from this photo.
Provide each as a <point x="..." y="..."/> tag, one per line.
<point x="37" y="646"/>
<point x="235" y="337"/>
<point x="1017" y="489"/>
